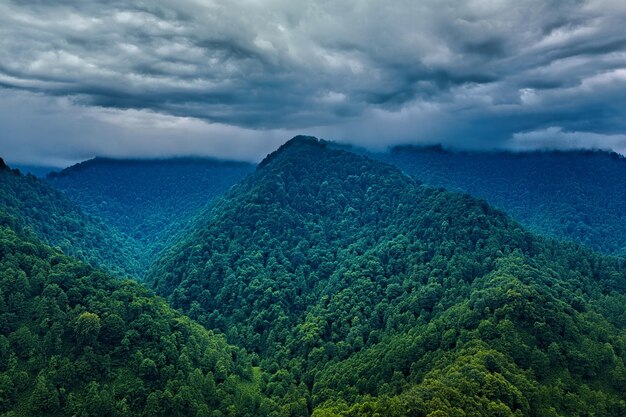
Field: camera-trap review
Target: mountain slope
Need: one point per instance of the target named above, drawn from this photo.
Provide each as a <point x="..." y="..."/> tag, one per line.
<point x="573" y="195"/>
<point x="145" y="198"/>
<point x="379" y="296"/>
<point x="74" y="341"/>
<point x="36" y="170"/>
<point x="29" y="204"/>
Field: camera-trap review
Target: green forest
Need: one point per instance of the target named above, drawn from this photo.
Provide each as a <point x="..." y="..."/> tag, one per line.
<point x="75" y="341"/>
<point x="323" y="283"/>
<point x="148" y="200"/>
<point x="572" y="195"/>
<point x="33" y="207"/>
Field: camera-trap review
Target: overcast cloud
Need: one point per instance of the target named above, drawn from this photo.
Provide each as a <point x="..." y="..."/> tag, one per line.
<point x="234" y="79"/>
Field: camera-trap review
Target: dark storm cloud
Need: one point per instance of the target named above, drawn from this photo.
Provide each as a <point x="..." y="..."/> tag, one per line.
<point x="480" y="73"/>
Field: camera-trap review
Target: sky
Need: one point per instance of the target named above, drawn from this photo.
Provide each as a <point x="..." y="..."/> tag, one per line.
<point x="235" y="79"/>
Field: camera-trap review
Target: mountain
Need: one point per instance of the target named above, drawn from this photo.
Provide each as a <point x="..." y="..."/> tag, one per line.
<point x="37" y="170"/>
<point x="74" y="341"/>
<point x="30" y="205"/>
<point x="376" y="295"/>
<point x="573" y="195"/>
<point x="146" y="199"/>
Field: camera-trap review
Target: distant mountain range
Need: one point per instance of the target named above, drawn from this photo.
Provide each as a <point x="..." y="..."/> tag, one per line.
<point x="39" y="171"/>
<point x="574" y="195"/>
<point x="31" y="206"/>
<point x="148" y="200"/>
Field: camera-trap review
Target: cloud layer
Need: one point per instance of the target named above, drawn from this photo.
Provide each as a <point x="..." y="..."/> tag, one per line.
<point x="201" y="74"/>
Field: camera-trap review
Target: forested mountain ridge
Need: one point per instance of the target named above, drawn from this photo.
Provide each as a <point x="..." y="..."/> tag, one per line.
<point x="39" y="171"/>
<point x="358" y="290"/>
<point x="147" y="199"/>
<point x="30" y="205"/>
<point x="371" y="294"/>
<point x="574" y="195"/>
<point x="74" y="341"/>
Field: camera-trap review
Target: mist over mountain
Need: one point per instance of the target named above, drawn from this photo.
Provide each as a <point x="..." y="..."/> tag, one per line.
<point x="572" y="195"/>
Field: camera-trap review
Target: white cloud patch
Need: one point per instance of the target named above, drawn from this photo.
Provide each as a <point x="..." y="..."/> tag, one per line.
<point x="557" y="139"/>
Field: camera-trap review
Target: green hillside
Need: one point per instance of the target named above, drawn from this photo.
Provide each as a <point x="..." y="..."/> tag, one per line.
<point x="573" y="195"/>
<point x="30" y="205"/>
<point x="147" y="199"/>
<point x="74" y="341"/>
<point x="376" y="295"/>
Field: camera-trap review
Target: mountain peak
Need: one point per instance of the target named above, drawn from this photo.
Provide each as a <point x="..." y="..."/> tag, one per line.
<point x="303" y="139"/>
<point x="295" y="143"/>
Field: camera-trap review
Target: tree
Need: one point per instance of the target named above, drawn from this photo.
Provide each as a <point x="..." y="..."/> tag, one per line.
<point x="87" y="328"/>
<point x="44" y="398"/>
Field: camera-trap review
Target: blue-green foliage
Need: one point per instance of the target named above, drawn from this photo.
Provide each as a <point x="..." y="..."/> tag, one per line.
<point x="30" y="205"/>
<point x="147" y="199"/>
<point x="575" y="195"/>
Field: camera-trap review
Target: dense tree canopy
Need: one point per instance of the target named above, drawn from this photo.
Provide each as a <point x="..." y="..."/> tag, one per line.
<point x="374" y="295"/>
<point x="147" y="199"/>
<point x="574" y="195"/>
<point x="331" y="284"/>
<point x="74" y="341"/>
<point x="30" y="205"/>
